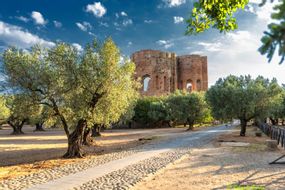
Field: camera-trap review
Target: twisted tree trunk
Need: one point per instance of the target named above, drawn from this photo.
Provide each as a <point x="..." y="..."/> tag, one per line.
<point x="75" y="141"/>
<point x="17" y="127"/>
<point x="39" y="127"/>
<point x="190" y="124"/>
<point x="96" y="130"/>
<point x="243" y="123"/>
<point x="87" y="139"/>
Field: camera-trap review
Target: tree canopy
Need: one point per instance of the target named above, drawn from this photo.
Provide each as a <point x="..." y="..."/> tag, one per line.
<point x="243" y="98"/>
<point x="188" y="108"/>
<point x="219" y="14"/>
<point x="80" y="88"/>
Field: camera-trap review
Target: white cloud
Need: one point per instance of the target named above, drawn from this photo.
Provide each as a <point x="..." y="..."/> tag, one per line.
<point x="57" y="24"/>
<point x="84" y="26"/>
<point x="262" y="12"/>
<point x="130" y="44"/>
<point x="197" y="53"/>
<point x="22" y="18"/>
<point x="38" y="18"/>
<point x="91" y="34"/>
<point x="124" y="13"/>
<point x="212" y="47"/>
<point x="97" y="9"/>
<point x="16" y="36"/>
<point x="127" y="22"/>
<point x="173" y="3"/>
<point x="78" y="47"/>
<point x="165" y="43"/>
<point x="178" y="19"/>
<point x="236" y="53"/>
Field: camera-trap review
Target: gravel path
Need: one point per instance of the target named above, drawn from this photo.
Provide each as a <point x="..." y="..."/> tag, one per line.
<point x="128" y="176"/>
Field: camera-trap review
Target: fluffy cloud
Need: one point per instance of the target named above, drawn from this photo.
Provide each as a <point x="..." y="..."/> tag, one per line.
<point x="78" y="47"/>
<point x="211" y="47"/>
<point x="38" y="18"/>
<point x="173" y="3"/>
<point x="263" y="12"/>
<point x="124" y="13"/>
<point x="97" y="9"/>
<point x="178" y="19"/>
<point x="16" y="36"/>
<point x="84" y="26"/>
<point x="165" y="43"/>
<point x="57" y="24"/>
<point x="236" y="53"/>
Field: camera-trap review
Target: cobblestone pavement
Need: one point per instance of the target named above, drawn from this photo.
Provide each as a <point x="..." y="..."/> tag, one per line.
<point x="155" y="157"/>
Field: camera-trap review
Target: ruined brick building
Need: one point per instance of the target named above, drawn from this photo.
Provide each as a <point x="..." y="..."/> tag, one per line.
<point x="164" y="72"/>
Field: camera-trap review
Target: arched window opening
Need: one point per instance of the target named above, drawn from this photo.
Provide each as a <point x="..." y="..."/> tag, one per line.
<point x="165" y="83"/>
<point x="157" y="82"/>
<point x="199" y="85"/>
<point x="146" y="80"/>
<point x="189" y="86"/>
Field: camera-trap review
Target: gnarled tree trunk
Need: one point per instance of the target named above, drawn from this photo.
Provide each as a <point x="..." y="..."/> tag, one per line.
<point x="39" y="127"/>
<point x="243" y="123"/>
<point x="87" y="139"/>
<point x="96" y="130"/>
<point x="17" y="127"/>
<point x="190" y="124"/>
<point x="75" y="141"/>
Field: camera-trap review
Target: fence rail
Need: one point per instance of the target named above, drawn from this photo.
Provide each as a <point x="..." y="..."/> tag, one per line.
<point x="274" y="132"/>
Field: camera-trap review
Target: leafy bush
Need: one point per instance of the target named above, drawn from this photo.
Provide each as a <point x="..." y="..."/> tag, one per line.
<point x="177" y="108"/>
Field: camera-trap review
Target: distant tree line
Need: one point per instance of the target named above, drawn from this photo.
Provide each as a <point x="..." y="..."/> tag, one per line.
<point x="180" y="108"/>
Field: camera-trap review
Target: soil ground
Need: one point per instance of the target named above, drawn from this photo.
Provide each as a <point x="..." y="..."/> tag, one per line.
<point x="34" y="151"/>
<point x="223" y="167"/>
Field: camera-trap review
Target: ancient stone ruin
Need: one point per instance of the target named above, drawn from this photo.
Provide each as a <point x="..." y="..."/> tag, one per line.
<point x="162" y="73"/>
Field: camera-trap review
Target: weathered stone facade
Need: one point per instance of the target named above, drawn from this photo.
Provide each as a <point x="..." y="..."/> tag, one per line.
<point x="162" y="73"/>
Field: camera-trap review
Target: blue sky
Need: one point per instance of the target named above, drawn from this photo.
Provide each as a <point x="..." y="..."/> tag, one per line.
<point x="140" y="24"/>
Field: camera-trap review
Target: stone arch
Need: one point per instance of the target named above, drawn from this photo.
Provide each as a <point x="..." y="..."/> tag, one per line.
<point x="199" y="85"/>
<point x="189" y="85"/>
<point x="146" y="81"/>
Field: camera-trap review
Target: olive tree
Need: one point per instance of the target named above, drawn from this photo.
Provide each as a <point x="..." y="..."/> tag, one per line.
<point x="4" y="110"/>
<point x="21" y="109"/>
<point x="242" y="98"/>
<point x="151" y="112"/>
<point x="219" y="14"/>
<point x="43" y="116"/>
<point x="276" y="109"/>
<point x="75" y="86"/>
<point x="187" y="108"/>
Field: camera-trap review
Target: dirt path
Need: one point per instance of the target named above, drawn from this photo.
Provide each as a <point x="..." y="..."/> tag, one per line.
<point x="222" y="167"/>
